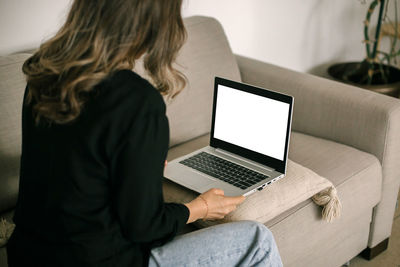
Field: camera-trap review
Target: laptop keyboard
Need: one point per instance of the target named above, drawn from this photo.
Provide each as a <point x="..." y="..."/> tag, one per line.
<point x="224" y="170"/>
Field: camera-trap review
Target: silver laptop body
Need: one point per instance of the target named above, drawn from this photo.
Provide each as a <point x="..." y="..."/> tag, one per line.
<point x="250" y="128"/>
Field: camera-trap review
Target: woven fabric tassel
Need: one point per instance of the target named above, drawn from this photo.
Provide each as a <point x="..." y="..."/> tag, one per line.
<point x="6" y="230"/>
<point x="330" y="202"/>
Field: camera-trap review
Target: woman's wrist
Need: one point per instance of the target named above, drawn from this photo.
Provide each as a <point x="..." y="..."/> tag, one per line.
<point x="198" y="209"/>
<point x="206" y="203"/>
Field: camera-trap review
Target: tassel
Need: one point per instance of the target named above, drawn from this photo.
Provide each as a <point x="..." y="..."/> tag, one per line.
<point x="332" y="207"/>
<point x="6" y="230"/>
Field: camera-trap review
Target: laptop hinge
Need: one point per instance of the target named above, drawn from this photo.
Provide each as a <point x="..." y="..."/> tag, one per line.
<point x="244" y="159"/>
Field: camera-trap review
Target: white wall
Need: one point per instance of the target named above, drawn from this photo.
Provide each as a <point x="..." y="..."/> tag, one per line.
<point x="24" y="24"/>
<point x="298" y="34"/>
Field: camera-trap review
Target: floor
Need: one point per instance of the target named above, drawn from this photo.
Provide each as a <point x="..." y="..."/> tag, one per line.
<point x="390" y="257"/>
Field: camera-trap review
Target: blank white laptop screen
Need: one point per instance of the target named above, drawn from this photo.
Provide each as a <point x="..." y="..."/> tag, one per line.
<point x="251" y="121"/>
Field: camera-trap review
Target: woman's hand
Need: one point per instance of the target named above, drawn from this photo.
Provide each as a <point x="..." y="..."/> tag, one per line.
<point x="212" y="205"/>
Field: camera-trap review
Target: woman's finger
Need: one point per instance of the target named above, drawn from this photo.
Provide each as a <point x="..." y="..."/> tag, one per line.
<point x="218" y="191"/>
<point x="235" y="200"/>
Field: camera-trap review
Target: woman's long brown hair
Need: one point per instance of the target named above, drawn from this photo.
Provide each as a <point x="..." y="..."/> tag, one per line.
<point x="100" y="37"/>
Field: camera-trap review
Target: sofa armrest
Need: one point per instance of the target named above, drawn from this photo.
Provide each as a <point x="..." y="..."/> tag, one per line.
<point x="345" y="114"/>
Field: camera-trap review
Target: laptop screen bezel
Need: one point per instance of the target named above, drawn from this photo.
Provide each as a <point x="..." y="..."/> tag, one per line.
<point x="278" y="165"/>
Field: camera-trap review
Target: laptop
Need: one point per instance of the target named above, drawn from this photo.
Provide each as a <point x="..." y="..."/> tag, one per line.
<point x="249" y="142"/>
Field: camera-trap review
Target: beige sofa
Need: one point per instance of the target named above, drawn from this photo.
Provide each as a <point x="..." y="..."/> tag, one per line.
<point x="348" y="135"/>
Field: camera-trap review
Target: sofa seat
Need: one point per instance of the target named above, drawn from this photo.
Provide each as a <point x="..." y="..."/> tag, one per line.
<point x="347" y="168"/>
<point x="339" y="164"/>
<point x="336" y="162"/>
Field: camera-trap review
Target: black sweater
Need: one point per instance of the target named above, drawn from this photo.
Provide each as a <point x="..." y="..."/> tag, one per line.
<point x="90" y="191"/>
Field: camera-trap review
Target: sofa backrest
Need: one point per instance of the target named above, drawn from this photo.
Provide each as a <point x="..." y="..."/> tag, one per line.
<point x="206" y="54"/>
<point x="12" y="85"/>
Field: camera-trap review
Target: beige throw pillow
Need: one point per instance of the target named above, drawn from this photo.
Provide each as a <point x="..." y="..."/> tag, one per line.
<point x="6" y="229"/>
<point x="299" y="184"/>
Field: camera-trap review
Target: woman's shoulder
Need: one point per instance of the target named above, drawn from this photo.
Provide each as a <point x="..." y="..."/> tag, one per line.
<point x="128" y="77"/>
<point x="128" y="88"/>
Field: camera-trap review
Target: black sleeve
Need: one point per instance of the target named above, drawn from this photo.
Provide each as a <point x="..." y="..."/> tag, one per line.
<point x="137" y="189"/>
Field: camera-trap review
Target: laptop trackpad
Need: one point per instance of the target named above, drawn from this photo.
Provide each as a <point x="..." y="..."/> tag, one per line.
<point x="196" y="180"/>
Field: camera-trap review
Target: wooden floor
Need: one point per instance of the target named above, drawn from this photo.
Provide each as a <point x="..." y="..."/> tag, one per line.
<point x="390" y="257"/>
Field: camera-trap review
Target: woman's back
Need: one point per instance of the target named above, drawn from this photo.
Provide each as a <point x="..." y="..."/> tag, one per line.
<point x="70" y="205"/>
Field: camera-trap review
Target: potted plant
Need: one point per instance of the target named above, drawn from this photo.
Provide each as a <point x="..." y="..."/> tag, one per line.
<point x="377" y="72"/>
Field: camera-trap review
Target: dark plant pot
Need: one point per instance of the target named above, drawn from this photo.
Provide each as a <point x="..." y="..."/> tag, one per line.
<point x="354" y="73"/>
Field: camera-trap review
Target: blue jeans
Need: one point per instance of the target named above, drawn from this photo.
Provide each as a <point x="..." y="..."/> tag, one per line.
<point x="243" y="243"/>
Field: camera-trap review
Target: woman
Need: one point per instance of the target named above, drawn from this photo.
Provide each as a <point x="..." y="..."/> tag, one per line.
<point x="95" y="139"/>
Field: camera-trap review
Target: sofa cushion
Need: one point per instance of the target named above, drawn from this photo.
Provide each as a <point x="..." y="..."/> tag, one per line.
<point x="206" y="54"/>
<point x="3" y="253"/>
<point x="12" y="85"/>
<point x="339" y="164"/>
<point x="299" y="185"/>
<point x="336" y="162"/>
